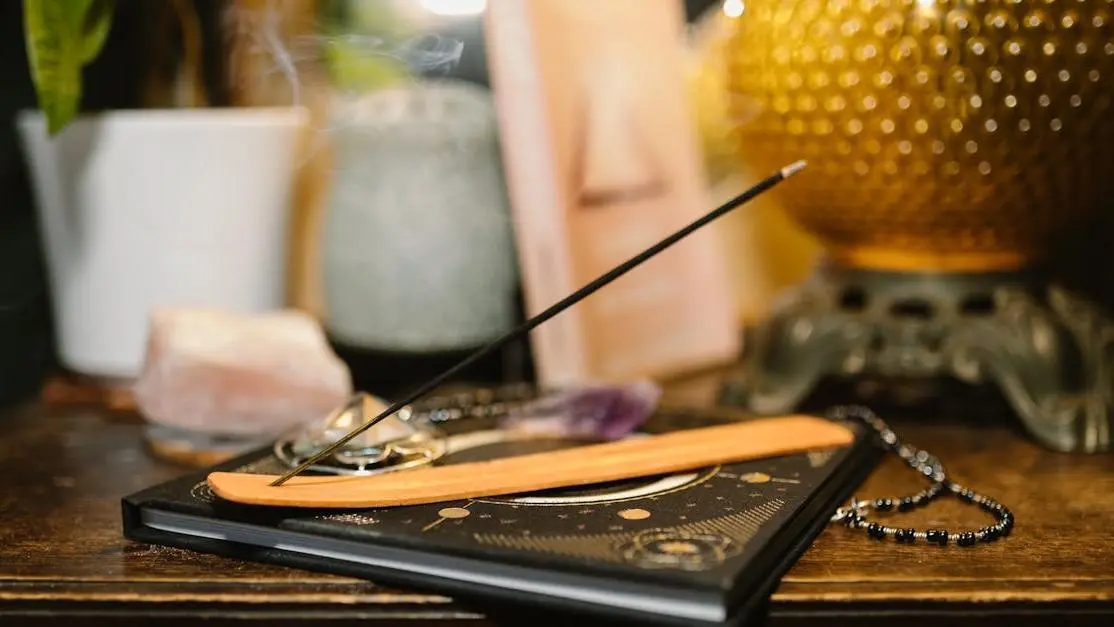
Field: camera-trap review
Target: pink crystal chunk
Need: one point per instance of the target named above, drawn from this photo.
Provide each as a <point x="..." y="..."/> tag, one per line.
<point x="243" y="375"/>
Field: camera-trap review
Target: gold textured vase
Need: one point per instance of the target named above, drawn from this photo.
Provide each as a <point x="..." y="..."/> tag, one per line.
<point x="941" y="135"/>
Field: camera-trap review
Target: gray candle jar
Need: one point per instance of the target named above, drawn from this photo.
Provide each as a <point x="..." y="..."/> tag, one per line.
<point x="418" y="247"/>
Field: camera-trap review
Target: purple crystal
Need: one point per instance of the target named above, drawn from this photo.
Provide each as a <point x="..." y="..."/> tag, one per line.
<point x="607" y="412"/>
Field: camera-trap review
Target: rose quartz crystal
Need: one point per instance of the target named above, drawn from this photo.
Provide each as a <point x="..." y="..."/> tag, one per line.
<point x="233" y="374"/>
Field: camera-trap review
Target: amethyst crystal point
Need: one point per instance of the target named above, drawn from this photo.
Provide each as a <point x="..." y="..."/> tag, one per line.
<point x="607" y="412"/>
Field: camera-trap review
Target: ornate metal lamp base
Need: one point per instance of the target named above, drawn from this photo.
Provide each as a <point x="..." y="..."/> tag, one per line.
<point x="1048" y="351"/>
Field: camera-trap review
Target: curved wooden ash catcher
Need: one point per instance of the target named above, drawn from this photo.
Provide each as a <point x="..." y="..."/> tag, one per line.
<point x="593" y="463"/>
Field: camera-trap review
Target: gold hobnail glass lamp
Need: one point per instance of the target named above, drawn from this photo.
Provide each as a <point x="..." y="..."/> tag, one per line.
<point x="950" y="144"/>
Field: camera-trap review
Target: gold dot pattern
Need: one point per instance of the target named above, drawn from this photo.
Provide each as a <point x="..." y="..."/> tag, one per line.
<point x="976" y="129"/>
<point x="453" y="512"/>
<point x="756" y="477"/>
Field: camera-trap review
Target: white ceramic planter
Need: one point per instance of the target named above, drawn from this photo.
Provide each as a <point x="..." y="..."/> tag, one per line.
<point x="150" y="208"/>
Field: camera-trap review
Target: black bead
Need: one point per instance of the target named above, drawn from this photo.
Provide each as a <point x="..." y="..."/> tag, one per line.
<point x="875" y="530"/>
<point x="906" y="504"/>
<point x="884" y="505"/>
<point x="904" y="535"/>
<point x="966" y="538"/>
<point x="990" y="533"/>
<point x="937" y="536"/>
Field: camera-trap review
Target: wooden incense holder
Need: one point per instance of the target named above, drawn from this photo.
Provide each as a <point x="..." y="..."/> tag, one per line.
<point x="595" y="463"/>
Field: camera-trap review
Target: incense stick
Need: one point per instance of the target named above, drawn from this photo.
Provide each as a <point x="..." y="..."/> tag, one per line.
<point x="555" y="309"/>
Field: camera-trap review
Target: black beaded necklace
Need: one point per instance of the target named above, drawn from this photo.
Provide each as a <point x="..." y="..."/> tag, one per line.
<point x="854" y="515"/>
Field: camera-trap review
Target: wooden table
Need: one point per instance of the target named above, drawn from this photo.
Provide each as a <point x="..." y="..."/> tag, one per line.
<point x="62" y="557"/>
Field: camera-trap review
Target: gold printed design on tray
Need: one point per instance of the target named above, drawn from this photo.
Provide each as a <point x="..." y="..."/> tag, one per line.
<point x="202" y="492"/>
<point x="361" y="520"/>
<point x="691" y="546"/>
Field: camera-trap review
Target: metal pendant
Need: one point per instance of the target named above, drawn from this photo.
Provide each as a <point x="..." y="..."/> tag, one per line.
<point x="395" y="443"/>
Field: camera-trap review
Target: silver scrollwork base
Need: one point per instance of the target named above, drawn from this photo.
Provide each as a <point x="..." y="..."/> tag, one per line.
<point x="1049" y="351"/>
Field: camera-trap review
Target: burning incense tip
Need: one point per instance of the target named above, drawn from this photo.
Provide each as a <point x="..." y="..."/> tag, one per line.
<point x="793" y="168"/>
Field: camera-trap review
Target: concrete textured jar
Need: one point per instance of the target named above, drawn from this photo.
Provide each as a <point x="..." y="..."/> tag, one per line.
<point x="418" y="252"/>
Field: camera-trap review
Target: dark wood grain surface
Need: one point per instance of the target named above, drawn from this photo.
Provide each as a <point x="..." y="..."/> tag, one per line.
<point x="63" y="469"/>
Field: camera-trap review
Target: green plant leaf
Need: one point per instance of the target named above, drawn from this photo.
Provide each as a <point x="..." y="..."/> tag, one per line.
<point x="360" y="38"/>
<point x="95" y="28"/>
<point x="353" y="68"/>
<point x="62" y="37"/>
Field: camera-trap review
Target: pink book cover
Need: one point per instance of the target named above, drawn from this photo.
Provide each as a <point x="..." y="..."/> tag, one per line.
<point x="602" y="161"/>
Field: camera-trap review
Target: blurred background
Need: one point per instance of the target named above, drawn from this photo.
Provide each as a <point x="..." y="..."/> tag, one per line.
<point x="397" y="94"/>
<point x="419" y="176"/>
